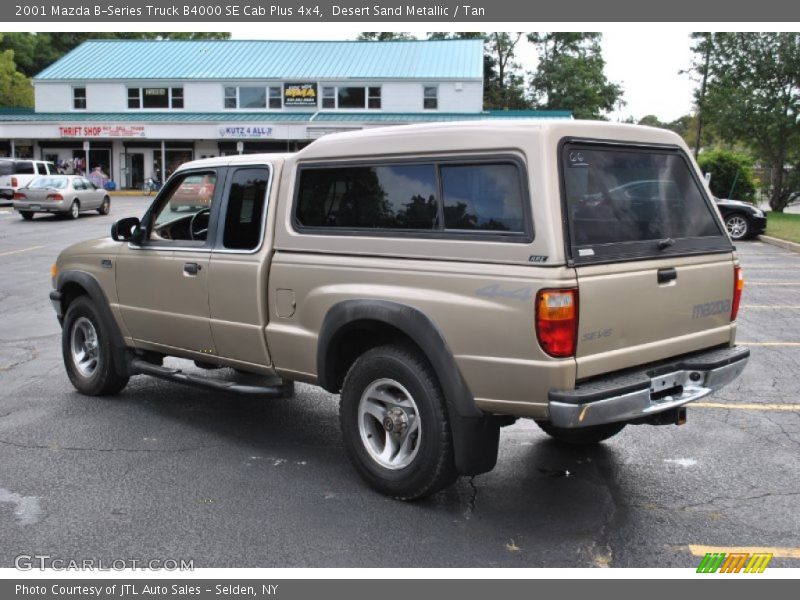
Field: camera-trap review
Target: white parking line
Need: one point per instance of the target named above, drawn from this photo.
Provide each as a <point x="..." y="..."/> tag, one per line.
<point x="10" y="252"/>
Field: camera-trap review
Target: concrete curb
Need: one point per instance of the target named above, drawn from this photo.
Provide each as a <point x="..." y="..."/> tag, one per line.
<point x="785" y="244"/>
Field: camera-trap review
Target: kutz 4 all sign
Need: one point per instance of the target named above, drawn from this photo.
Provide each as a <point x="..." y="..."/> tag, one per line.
<point x="299" y="94"/>
<point x="734" y="562"/>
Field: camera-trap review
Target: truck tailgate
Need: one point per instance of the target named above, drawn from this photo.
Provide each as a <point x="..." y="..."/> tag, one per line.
<point x="628" y="317"/>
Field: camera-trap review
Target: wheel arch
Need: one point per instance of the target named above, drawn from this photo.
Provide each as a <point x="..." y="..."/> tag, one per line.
<point x="351" y="327"/>
<point x="75" y="284"/>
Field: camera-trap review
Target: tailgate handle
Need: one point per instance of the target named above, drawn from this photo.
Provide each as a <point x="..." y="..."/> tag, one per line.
<point x="666" y="275"/>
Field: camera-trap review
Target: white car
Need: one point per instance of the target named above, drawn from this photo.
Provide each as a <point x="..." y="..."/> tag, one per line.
<point x="17" y="173"/>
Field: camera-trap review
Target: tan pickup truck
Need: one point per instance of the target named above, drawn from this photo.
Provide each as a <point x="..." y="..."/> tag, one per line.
<point x="444" y="279"/>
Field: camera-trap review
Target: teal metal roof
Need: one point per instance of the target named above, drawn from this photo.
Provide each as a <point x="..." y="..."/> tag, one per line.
<point x="18" y="115"/>
<point x="426" y="117"/>
<point x="15" y="115"/>
<point x="261" y="59"/>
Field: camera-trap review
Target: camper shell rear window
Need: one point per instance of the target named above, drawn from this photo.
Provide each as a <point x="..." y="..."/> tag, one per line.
<point x="629" y="202"/>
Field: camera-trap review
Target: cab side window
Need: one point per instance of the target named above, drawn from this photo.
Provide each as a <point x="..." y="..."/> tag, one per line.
<point x="183" y="213"/>
<point x="247" y="201"/>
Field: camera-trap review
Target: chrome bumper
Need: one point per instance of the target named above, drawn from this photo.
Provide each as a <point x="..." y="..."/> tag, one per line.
<point x="654" y="389"/>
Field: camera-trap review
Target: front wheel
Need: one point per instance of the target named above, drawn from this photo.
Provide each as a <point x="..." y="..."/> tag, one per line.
<point x="86" y="346"/>
<point x="738" y="226"/>
<point x="394" y="423"/>
<point x="105" y="207"/>
<point x="581" y="436"/>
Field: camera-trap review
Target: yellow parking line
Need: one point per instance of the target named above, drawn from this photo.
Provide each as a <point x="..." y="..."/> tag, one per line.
<point x="750" y="406"/>
<point x="10" y="252"/>
<point x="772" y="283"/>
<point x="776" y="551"/>
<point x="759" y="306"/>
<point x="790" y="344"/>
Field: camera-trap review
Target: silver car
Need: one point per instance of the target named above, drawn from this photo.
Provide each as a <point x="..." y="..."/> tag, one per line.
<point x="63" y="194"/>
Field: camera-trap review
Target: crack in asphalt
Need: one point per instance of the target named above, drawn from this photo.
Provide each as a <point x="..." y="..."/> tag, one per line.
<point x="90" y="449"/>
<point x="601" y="550"/>
<point x="473" y="498"/>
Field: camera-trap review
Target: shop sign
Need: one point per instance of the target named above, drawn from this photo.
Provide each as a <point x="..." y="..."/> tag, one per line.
<point x="102" y="131"/>
<point x="299" y="94"/>
<point x="250" y="131"/>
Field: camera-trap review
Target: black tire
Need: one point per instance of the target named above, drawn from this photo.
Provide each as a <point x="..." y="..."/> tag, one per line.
<point x="74" y="210"/>
<point x="105" y="207"/>
<point x="739" y="226"/>
<point x="27" y="215"/>
<point x="104" y="379"/>
<point x="582" y="436"/>
<point x="432" y="467"/>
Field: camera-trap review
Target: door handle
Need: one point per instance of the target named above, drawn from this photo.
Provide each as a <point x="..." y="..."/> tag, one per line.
<point x="191" y="268"/>
<point x="666" y="275"/>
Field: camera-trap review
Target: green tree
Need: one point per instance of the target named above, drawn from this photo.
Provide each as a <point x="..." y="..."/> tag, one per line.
<point x="753" y="98"/>
<point x="570" y="75"/>
<point x="384" y="36"/>
<point x="16" y="90"/>
<point x="34" y="52"/>
<point x="731" y="174"/>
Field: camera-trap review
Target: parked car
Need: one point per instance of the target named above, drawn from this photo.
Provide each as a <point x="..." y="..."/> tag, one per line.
<point x="444" y="279"/>
<point x="17" y="173"/>
<point x="742" y="220"/>
<point x="194" y="192"/>
<point x="63" y="194"/>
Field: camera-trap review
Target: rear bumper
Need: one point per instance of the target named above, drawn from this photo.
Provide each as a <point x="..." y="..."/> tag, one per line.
<point x="31" y="206"/>
<point x="652" y="389"/>
<point x="7" y="193"/>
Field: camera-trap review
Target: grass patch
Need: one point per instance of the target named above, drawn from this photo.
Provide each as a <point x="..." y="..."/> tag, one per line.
<point x="784" y="226"/>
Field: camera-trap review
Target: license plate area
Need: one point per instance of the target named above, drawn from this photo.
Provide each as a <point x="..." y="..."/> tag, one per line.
<point x="667" y="387"/>
<point x="36" y="207"/>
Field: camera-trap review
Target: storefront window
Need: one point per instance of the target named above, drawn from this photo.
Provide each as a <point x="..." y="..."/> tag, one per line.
<point x="430" y="98"/>
<point x="275" y="97"/>
<point x="329" y="97"/>
<point x="155" y="97"/>
<point x="252" y="97"/>
<point x="79" y="98"/>
<point x="351" y="97"/>
<point x="175" y="158"/>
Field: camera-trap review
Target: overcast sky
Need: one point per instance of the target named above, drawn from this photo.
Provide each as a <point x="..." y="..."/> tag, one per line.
<point x="644" y="58"/>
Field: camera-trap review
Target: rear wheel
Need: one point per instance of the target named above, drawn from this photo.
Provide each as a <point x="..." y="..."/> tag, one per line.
<point x="581" y="436"/>
<point x="75" y="210"/>
<point x="738" y="226"/>
<point x="105" y="207"/>
<point x="395" y="426"/>
<point x="27" y="215"/>
<point x="86" y="346"/>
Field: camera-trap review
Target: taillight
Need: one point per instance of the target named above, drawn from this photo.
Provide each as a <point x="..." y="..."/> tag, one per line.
<point x="55" y="197"/>
<point x="557" y="321"/>
<point x="19" y="196"/>
<point x="738" y="286"/>
<point x="14" y="182"/>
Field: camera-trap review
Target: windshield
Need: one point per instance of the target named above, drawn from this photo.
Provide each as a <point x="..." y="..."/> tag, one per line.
<point x="58" y="183"/>
<point x="6" y="167"/>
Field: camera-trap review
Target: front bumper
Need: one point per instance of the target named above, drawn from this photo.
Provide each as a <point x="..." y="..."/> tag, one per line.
<point x="55" y="300"/>
<point x="759" y="224"/>
<point x="641" y="393"/>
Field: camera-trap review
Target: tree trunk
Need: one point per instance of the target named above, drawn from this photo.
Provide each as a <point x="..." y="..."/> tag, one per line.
<point x="776" y="200"/>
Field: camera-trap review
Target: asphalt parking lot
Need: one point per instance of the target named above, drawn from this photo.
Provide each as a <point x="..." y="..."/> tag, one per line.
<point x="164" y="471"/>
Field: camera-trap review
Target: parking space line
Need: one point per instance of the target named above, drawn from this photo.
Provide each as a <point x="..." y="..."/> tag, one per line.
<point x="768" y="343"/>
<point x="10" y="252"/>
<point x="748" y="406"/>
<point x="772" y="283"/>
<point x="775" y="306"/>
<point x="776" y="551"/>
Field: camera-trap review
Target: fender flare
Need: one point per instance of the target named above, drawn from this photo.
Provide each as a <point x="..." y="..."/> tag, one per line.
<point x="94" y="290"/>
<point x="475" y="434"/>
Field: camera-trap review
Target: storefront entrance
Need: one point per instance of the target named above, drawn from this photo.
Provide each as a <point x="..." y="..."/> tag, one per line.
<point x="134" y="170"/>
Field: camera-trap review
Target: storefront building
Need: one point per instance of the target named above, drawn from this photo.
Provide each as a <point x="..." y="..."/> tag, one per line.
<point x="138" y="109"/>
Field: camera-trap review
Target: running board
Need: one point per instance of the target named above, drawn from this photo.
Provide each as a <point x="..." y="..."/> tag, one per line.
<point x="142" y="367"/>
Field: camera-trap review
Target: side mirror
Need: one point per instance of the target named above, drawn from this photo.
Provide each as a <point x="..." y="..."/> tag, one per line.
<point x="127" y="230"/>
